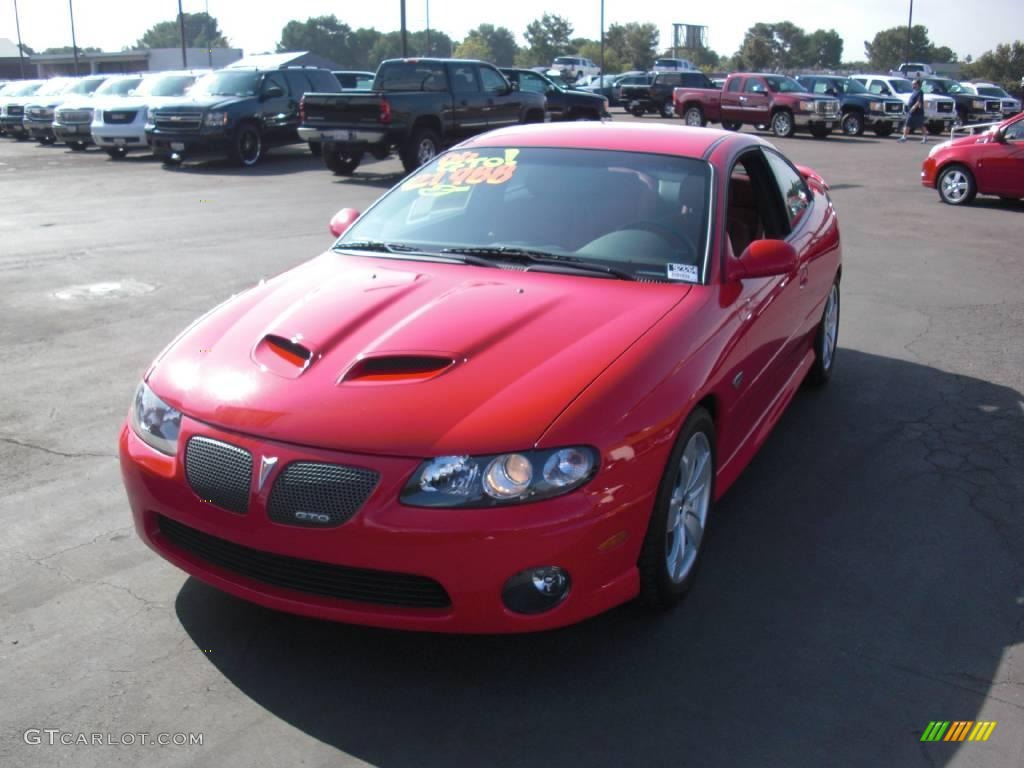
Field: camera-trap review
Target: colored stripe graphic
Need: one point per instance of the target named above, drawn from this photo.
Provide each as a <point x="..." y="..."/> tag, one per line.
<point x="935" y="730"/>
<point x="958" y="730"/>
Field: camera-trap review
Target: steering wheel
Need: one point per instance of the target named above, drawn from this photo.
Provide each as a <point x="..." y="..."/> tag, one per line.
<point x="674" y="236"/>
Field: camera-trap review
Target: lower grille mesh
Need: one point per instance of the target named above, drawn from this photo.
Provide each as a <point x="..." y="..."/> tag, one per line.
<point x="219" y="473"/>
<point x="309" y="493"/>
<point x="326" y="579"/>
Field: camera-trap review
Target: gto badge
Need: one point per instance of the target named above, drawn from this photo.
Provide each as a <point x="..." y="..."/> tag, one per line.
<point x="312" y="517"/>
<point x="266" y="467"/>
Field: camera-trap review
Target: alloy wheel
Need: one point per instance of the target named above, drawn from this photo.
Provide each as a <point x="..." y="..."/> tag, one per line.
<point x="688" y="508"/>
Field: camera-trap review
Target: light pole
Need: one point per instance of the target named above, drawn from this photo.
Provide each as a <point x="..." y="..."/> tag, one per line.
<point x="405" y="48"/>
<point x="181" y="21"/>
<point x="429" y="50"/>
<point x="602" y="44"/>
<point x="209" y="43"/>
<point x="21" y="53"/>
<point x="910" y="26"/>
<point x="74" y="45"/>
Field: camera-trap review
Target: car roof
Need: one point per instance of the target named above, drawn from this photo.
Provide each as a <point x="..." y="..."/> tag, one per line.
<point x="681" y="141"/>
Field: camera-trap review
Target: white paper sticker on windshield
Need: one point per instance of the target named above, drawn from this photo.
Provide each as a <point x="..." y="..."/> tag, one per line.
<point x="687" y="272"/>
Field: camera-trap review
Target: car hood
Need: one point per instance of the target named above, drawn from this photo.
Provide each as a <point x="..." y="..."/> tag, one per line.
<point x="404" y="358"/>
<point x="204" y="102"/>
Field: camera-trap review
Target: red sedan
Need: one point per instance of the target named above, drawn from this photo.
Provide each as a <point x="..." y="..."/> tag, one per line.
<point x="484" y="410"/>
<point x="991" y="163"/>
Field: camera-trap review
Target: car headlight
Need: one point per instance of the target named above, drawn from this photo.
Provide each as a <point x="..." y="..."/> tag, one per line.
<point x="806" y="106"/>
<point x="150" y="116"/>
<point x="875" y="106"/>
<point x="499" y="479"/>
<point x="155" y="422"/>
<point x="215" y="119"/>
<point x="976" y="104"/>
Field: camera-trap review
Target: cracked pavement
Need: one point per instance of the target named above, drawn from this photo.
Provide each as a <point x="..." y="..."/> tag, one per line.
<point x="864" y="576"/>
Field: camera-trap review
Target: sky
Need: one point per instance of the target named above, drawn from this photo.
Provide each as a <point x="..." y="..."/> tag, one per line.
<point x="968" y="28"/>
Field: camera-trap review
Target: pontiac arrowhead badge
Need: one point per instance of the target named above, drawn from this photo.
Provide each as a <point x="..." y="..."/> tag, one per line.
<point x="266" y="467"/>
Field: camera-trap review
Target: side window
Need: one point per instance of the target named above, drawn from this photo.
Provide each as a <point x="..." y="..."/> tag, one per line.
<point x="754" y="86"/>
<point x="492" y="81"/>
<point x="322" y="81"/>
<point x="754" y="210"/>
<point x="735" y="84"/>
<point x="820" y="86"/>
<point x="672" y="80"/>
<point x="275" y="78"/>
<point x="795" y="195"/>
<point x="1015" y="132"/>
<point x="298" y="83"/>
<point x="877" y="87"/>
<point x="532" y="83"/>
<point x="464" y="79"/>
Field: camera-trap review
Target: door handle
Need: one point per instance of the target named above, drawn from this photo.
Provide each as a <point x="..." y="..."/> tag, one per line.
<point x="803" y="276"/>
<point x="743" y="98"/>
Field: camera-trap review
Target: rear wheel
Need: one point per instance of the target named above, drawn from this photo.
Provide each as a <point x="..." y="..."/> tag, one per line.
<point x="637" y="111"/>
<point x="246" y="145"/>
<point x="883" y="130"/>
<point x="343" y="164"/>
<point x="826" y="340"/>
<point x="694" y="116"/>
<point x="116" y="153"/>
<point x="668" y="109"/>
<point x="853" y="124"/>
<point x="672" y="546"/>
<point x="956" y="185"/>
<point x="423" y="148"/>
<point x="729" y="125"/>
<point x="782" y="124"/>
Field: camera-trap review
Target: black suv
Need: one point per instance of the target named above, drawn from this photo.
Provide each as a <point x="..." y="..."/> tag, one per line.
<point x="860" y="107"/>
<point x="238" y="112"/>
<point x="562" y="103"/>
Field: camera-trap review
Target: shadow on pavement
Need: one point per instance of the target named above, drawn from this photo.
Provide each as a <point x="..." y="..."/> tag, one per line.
<point x="275" y="162"/>
<point x="862" y="578"/>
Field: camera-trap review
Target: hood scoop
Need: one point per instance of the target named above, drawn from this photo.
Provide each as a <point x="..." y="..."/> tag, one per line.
<point x="284" y="357"/>
<point x="396" y="368"/>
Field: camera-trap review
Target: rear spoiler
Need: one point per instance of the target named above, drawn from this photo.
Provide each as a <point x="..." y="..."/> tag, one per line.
<point x="811" y="175"/>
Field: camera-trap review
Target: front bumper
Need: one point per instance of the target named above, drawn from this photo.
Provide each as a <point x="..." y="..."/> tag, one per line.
<point x="815" y="121"/>
<point x="471" y="553"/>
<point x="14" y="125"/>
<point x="875" y="119"/>
<point x="40" y="131"/>
<point x="356" y="139"/>
<point x="126" y="136"/>
<point x="190" y="143"/>
<point x="77" y="132"/>
<point x="928" y="175"/>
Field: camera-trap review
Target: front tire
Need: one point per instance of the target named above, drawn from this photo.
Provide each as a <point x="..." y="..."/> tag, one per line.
<point x="694" y="116"/>
<point x="826" y="340"/>
<point x="883" y="130"/>
<point x="315" y="148"/>
<point x="246" y="146"/>
<point x="342" y="164"/>
<point x="934" y="129"/>
<point x="637" y="111"/>
<point x="116" y="153"/>
<point x="853" y="124"/>
<point x="667" y="109"/>
<point x="731" y="125"/>
<point x="76" y="146"/>
<point x="956" y="185"/>
<point x="423" y="148"/>
<point x="672" y="546"/>
<point x="782" y="124"/>
<point x="820" y="133"/>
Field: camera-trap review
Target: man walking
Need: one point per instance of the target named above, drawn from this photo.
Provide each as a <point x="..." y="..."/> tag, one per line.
<point x="915" y="114"/>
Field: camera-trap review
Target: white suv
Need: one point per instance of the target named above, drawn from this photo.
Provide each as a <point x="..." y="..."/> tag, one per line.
<point x="1010" y="106"/>
<point x="673" y="65"/>
<point x="572" y="68"/>
<point x="939" y="111"/>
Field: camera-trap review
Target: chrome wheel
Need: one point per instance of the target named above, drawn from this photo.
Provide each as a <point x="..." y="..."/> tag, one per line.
<point x="249" y="146"/>
<point x="694" y="117"/>
<point x="782" y="124"/>
<point x="954" y="186"/>
<point x="426" y="150"/>
<point x="852" y="124"/>
<point x="831" y="328"/>
<point x="688" y="508"/>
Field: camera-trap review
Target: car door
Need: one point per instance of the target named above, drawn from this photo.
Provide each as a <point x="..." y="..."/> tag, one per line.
<point x="732" y="106"/>
<point x="531" y="82"/>
<point x="275" y="108"/>
<point x="298" y="86"/>
<point x="1000" y="167"/>
<point x="772" y="312"/>
<point x="468" y="100"/>
<point x="755" y="101"/>
<point x="503" y="104"/>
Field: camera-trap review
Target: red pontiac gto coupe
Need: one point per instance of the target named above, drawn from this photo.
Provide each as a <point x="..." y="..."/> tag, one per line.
<point x="990" y="163"/>
<point x="483" y="410"/>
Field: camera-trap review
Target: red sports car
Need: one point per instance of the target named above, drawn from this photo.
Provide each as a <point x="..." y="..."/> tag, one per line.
<point x="483" y="410"/>
<point x="991" y="163"/>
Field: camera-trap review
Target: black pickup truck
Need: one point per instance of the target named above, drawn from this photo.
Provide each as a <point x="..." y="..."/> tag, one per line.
<point x="859" y="107"/>
<point x="970" y="108"/>
<point x="657" y="97"/>
<point x="416" y="106"/>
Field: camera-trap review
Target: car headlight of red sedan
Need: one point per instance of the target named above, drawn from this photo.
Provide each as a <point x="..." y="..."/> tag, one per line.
<point x="497" y="479"/>
<point x="155" y="422"/>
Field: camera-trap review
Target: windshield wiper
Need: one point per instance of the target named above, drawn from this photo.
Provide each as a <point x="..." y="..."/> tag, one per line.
<point x="403" y="249"/>
<point x="536" y="256"/>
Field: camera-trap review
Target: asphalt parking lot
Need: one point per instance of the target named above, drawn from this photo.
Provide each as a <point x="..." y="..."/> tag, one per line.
<point x="864" y="577"/>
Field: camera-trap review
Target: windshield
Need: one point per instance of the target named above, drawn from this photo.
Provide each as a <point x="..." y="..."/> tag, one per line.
<point x="86" y="86"/>
<point x="779" y="84"/>
<point x="54" y="87"/>
<point x="934" y="86"/>
<point x="226" y="83"/>
<point x="118" y="87"/>
<point x="849" y="85"/>
<point x="630" y="211"/>
<point x="901" y="86"/>
<point x="989" y="90"/>
<point x="564" y="60"/>
<point x="167" y="85"/>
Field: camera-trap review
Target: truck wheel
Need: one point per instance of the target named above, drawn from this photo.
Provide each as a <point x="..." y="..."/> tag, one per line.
<point x="820" y="132"/>
<point x="956" y="185"/>
<point x="883" y="130"/>
<point x="116" y="153"/>
<point x="342" y="163"/>
<point x="169" y="159"/>
<point x="246" y="145"/>
<point x="695" y="117"/>
<point x="782" y="124"/>
<point x="76" y="146"/>
<point x="637" y="111"/>
<point x="668" y="109"/>
<point x="423" y="148"/>
<point x="853" y="124"/>
<point x="729" y="125"/>
<point x="315" y="148"/>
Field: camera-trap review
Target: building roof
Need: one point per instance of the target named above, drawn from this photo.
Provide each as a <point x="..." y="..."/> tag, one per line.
<point x="8" y="49"/>
<point x="284" y="59"/>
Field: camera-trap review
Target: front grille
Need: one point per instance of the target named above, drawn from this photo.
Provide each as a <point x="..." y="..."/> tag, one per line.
<point x="219" y="473"/>
<point x="894" y="107"/>
<point x="14" y="109"/>
<point x="993" y="106"/>
<point x="828" y="108"/>
<point x="320" y="495"/>
<point x="178" y="121"/>
<point x="308" y="576"/>
<point x="73" y="116"/>
<point x="119" y="117"/>
<point x="40" y="114"/>
<point x="944" y="106"/>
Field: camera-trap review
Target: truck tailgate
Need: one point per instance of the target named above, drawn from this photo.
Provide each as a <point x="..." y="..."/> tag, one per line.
<point x="342" y="108"/>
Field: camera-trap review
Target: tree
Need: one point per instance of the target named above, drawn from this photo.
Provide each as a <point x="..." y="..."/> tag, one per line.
<point x="783" y="45"/>
<point x="888" y="49"/>
<point x="330" y="38"/>
<point x="474" y="47"/>
<point x="201" y="31"/>
<point x="635" y="44"/>
<point x="823" y="49"/>
<point x="1003" y="65"/>
<point x="489" y="43"/>
<point x="389" y="46"/>
<point x="69" y="49"/>
<point x="592" y="50"/>
<point x="549" y="36"/>
<point x="757" y="51"/>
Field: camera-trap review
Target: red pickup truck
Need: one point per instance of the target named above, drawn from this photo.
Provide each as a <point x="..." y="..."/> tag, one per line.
<point x="773" y="100"/>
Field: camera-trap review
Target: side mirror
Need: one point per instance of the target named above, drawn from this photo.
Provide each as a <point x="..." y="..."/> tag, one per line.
<point x="763" y="258"/>
<point x="273" y="92"/>
<point x="342" y="220"/>
<point x="514" y="85"/>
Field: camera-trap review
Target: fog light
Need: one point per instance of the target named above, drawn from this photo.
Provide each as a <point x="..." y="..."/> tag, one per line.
<point x="536" y="590"/>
